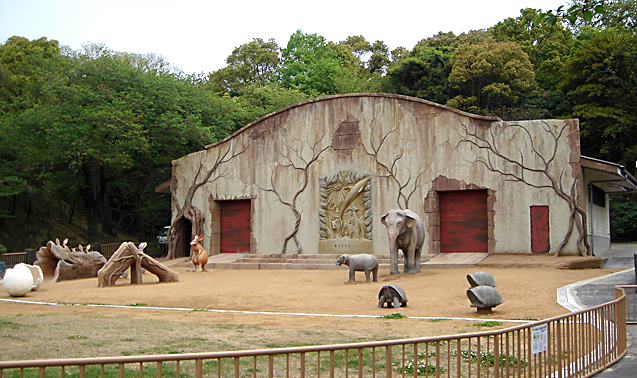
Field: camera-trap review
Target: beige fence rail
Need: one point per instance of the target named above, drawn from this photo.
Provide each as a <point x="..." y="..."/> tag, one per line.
<point x="573" y="345"/>
<point x="631" y="302"/>
<point x="13" y="258"/>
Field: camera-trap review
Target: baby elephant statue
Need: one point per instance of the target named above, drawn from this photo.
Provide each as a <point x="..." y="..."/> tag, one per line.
<point x="407" y="233"/>
<point x="360" y="263"/>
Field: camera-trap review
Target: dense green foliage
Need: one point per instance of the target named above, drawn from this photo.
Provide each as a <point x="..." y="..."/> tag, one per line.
<point x="94" y="131"/>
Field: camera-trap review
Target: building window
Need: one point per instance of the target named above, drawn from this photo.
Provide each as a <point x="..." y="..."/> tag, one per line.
<point x="598" y="196"/>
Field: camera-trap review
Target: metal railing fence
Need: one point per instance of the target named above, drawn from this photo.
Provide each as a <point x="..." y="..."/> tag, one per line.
<point x="153" y="249"/>
<point x="12" y="258"/>
<point x="631" y="301"/>
<point x="573" y="345"/>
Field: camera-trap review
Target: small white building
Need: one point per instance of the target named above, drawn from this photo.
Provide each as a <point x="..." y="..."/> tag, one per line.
<point x="316" y="177"/>
<point x="601" y="179"/>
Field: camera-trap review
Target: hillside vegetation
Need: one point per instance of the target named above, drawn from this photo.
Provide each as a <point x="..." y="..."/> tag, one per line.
<point x="96" y="129"/>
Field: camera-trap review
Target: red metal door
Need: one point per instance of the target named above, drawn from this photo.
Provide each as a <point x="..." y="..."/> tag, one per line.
<point x="235" y="226"/>
<point x="463" y="221"/>
<point x="540" y="236"/>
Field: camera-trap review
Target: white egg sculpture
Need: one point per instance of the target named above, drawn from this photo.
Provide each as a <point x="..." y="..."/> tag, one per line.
<point x="38" y="277"/>
<point x="18" y="281"/>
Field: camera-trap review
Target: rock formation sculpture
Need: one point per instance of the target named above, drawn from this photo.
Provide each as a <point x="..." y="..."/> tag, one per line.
<point x="58" y="261"/>
<point x="129" y="256"/>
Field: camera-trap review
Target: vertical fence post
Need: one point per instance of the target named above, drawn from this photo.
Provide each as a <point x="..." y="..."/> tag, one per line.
<point x="331" y="364"/>
<point x="496" y="355"/>
<point x="620" y="320"/>
<point x="199" y="368"/>
<point x="558" y="351"/>
<point x="303" y="365"/>
<point x="388" y="359"/>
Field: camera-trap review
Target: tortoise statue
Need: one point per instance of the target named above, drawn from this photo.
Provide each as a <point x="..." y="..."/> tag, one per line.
<point x="392" y="295"/>
<point x="481" y="279"/>
<point x="484" y="298"/>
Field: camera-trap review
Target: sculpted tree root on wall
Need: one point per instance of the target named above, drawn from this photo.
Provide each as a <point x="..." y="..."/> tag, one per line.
<point x="129" y="256"/>
<point x="58" y="261"/>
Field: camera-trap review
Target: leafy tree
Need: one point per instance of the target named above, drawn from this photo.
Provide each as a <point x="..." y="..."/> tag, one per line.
<point x="363" y="64"/>
<point x="349" y="60"/>
<point x="548" y="46"/>
<point x="473" y="37"/>
<point x="253" y="63"/>
<point x="358" y="46"/>
<point x="487" y="76"/>
<point x="24" y="70"/>
<point x="257" y="101"/>
<point x="596" y="13"/>
<point x="424" y="71"/>
<point x="600" y="81"/>
<point x="99" y="119"/>
<point x="424" y="74"/>
<point x="310" y="65"/>
<point x="398" y="54"/>
<point x="617" y="14"/>
<point x="380" y="57"/>
<point x="623" y="218"/>
<point x="578" y="14"/>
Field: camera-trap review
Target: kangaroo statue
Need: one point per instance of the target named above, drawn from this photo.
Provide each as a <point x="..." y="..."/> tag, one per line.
<point x="199" y="254"/>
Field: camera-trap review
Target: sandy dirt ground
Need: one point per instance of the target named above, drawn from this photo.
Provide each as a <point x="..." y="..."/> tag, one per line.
<point x="528" y="293"/>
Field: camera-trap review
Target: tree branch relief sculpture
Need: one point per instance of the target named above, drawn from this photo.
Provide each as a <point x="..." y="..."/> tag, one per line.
<point x="207" y="172"/>
<point x="535" y="162"/>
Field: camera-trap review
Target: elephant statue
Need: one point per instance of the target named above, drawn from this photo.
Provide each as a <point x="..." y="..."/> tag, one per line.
<point x="407" y="233"/>
<point x="360" y="263"/>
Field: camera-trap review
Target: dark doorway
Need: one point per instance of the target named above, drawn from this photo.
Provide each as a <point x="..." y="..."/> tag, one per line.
<point x="463" y="221"/>
<point x="184" y="237"/>
<point x="235" y="226"/>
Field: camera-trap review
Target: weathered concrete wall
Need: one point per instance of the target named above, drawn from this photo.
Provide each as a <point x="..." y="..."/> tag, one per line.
<point x="411" y="148"/>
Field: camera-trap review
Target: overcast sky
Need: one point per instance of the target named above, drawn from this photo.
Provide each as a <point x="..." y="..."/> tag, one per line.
<point x="199" y="35"/>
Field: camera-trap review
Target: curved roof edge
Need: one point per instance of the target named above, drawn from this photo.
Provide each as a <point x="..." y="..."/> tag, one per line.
<point x="326" y="98"/>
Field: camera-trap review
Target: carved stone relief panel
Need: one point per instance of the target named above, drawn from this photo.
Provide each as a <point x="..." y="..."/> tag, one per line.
<point x="346" y="206"/>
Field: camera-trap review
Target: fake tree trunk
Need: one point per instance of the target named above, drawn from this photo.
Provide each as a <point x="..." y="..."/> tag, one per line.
<point x="208" y="171"/>
<point x="176" y="233"/>
<point x="129" y="256"/>
<point x="59" y="262"/>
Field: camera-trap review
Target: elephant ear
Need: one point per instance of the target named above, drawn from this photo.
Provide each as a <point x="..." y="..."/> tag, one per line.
<point x="382" y="219"/>
<point x="409" y="220"/>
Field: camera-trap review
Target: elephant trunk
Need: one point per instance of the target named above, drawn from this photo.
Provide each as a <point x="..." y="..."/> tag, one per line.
<point x="392" y="234"/>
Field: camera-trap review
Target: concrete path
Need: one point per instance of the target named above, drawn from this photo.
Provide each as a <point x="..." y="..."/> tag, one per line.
<point x="600" y="290"/>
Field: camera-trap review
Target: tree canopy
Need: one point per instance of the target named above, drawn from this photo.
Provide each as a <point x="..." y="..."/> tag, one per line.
<point x="97" y="129"/>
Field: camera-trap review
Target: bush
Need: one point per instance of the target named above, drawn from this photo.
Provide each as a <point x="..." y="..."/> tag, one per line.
<point x="623" y="219"/>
